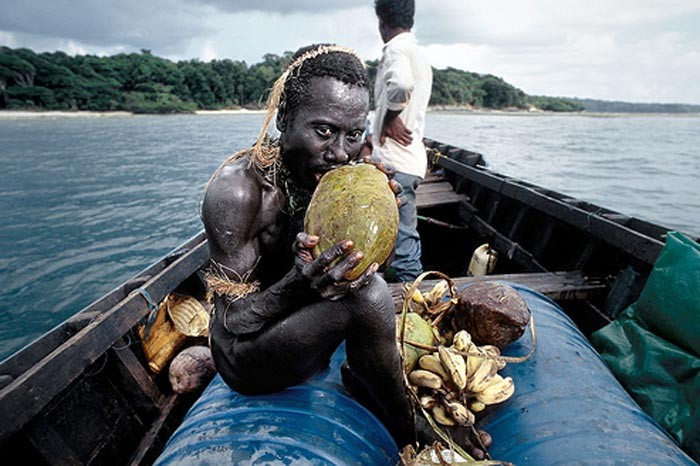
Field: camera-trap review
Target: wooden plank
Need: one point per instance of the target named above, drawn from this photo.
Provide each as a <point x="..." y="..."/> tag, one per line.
<point x="435" y="194"/>
<point x="152" y="442"/>
<point x="498" y="241"/>
<point x="432" y="178"/>
<point x="559" y="286"/>
<point x="439" y="199"/>
<point x="27" y="395"/>
<point x="136" y="380"/>
<point x="518" y="221"/>
<point x="436" y="187"/>
<point x="23" y="360"/>
<point x="50" y="445"/>
<point x="630" y="241"/>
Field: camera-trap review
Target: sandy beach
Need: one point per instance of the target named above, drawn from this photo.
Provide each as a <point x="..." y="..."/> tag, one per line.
<point x="20" y="114"/>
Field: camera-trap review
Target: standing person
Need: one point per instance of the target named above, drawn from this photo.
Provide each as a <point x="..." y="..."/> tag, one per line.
<point x="401" y="93"/>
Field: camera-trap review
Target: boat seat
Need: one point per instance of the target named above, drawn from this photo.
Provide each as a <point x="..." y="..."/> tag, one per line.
<point x="434" y="193"/>
<point x="567" y="409"/>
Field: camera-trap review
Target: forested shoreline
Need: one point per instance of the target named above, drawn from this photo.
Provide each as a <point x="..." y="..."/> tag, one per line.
<point x="145" y="83"/>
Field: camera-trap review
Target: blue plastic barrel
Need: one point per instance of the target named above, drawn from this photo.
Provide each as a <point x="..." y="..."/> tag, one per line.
<point x="568" y="408"/>
<point x="316" y="423"/>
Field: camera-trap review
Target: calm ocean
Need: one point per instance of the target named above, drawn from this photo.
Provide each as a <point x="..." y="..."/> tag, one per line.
<point x="89" y="202"/>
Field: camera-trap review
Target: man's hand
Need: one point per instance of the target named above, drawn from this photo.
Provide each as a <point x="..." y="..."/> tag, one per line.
<point x="395" y="129"/>
<point x="327" y="279"/>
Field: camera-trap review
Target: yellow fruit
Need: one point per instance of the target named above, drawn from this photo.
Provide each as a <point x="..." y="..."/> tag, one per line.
<point x="460" y="413"/>
<point x="498" y="391"/>
<point x="431" y="362"/>
<point x="455" y="365"/>
<point x="441" y="416"/>
<point x="423" y="378"/>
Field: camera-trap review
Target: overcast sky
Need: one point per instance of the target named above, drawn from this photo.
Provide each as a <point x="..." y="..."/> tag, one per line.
<point x="630" y="50"/>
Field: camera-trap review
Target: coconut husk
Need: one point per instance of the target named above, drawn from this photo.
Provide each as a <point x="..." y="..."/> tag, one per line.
<point x="188" y="315"/>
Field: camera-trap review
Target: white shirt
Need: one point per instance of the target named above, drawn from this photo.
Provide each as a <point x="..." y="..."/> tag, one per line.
<point x="404" y="81"/>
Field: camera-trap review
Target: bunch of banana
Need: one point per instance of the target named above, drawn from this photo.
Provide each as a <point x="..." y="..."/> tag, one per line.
<point x="459" y="380"/>
<point x="433" y="300"/>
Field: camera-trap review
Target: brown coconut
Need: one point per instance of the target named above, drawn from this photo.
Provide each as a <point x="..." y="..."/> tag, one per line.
<point x="493" y="313"/>
<point x="192" y="369"/>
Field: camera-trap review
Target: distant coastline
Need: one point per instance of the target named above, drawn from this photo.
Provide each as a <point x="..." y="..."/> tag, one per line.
<point x="19" y="114"/>
<point x="533" y="112"/>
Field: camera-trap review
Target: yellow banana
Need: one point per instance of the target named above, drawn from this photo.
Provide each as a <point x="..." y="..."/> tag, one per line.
<point x="427" y="401"/>
<point x="441" y="416"/>
<point x="438" y="291"/>
<point x="498" y="391"/>
<point x="495" y="353"/>
<point x="474" y="361"/>
<point x="455" y="365"/>
<point x="423" y="378"/>
<point x="431" y="362"/>
<point x="477" y="406"/>
<point x="460" y="413"/>
<point x="483" y="375"/>
<point x="462" y="341"/>
<point x="418" y="297"/>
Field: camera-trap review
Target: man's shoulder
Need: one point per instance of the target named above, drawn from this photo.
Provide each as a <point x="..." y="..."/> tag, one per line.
<point x="234" y="184"/>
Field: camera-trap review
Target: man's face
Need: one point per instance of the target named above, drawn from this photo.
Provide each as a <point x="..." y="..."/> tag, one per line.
<point x="326" y="130"/>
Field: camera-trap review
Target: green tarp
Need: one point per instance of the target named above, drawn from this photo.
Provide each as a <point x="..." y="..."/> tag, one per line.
<point x="653" y="347"/>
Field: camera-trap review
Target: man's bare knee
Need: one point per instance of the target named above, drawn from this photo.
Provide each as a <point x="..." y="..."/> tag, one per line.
<point x="373" y="302"/>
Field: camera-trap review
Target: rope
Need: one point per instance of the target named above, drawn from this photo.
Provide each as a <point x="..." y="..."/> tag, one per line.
<point x="405" y="308"/>
<point x="264" y="154"/>
<point x="152" y="306"/>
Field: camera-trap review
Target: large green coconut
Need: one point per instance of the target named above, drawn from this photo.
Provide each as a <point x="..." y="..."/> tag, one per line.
<point x="417" y="330"/>
<point x="354" y="202"/>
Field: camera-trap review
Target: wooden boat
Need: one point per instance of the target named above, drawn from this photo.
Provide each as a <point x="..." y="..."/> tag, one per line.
<point x="83" y="392"/>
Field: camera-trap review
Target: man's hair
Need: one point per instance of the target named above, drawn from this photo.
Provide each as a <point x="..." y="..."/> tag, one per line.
<point x="396" y="13"/>
<point x="345" y="67"/>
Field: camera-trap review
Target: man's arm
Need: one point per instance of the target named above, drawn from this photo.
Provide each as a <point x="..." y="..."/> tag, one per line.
<point x="233" y="209"/>
<point x="232" y="213"/>
<point x="399" y="87"/>
<point x="394" y="128"/>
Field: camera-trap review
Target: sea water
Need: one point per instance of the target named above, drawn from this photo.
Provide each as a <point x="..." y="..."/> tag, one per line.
<point x="87" y="203"/>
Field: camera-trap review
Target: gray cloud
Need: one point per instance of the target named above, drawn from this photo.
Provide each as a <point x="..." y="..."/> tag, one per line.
<point x="161" y="24"/>
<point x="626" y="49"/>
<point x="284" y="7"/>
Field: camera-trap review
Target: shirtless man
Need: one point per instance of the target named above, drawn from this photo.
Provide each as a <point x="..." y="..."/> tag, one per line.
<point x="285" y="313"/>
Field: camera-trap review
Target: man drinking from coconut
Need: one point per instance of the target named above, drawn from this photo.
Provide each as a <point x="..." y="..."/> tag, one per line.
<point x="280" y="312"/>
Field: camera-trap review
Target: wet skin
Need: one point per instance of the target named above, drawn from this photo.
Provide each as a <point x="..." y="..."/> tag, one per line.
<point x="286" y="332"/>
